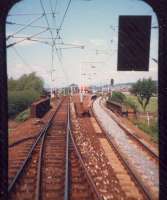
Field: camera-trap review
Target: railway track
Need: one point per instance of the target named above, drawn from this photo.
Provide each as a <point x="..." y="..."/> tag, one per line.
<point x="135" y="138"/>
<point x="117" y="158"/>
<point x="138" y="141"/>
<point x="141" y="145"/>
<point x="53" y="168"/>
<point x="19" y="151"/>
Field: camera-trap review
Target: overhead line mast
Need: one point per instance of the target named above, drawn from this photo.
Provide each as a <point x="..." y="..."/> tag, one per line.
<point x="34" y="38"/>
<point x="53" y="45"/>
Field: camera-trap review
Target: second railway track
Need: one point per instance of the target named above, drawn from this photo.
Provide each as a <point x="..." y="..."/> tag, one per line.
<point x="139" y="176"/>
<point x="133" y="137"/>
<point x="123" y="181"/>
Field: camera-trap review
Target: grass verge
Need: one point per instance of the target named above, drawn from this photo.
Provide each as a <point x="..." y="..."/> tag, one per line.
<point x="152" y="106"/>
<point x="23" y="116"/>
<point x="151" y="129"/>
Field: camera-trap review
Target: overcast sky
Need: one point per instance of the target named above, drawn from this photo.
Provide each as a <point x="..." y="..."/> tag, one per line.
<point x="89" y="23"/>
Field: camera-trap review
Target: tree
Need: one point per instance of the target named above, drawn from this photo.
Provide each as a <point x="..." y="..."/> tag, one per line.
<point x="12" y="84"/>
<point x="144" y="90"/>
<point x="18" y="101"/>
<point x="22" y="92"/>
<point x="118" y="97"/>
<point x="26" y="82"/>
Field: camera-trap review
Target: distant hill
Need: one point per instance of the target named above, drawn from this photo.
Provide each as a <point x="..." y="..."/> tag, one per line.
<point x="118" y="86"/>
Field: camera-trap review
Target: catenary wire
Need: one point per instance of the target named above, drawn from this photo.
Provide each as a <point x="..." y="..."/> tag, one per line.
<point x="36" y="34"/>
<point x="26" y="26"/>
<point x="32" y="26"/>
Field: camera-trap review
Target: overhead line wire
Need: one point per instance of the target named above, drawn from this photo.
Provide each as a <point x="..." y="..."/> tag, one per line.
<point x="22" y="14"/>
<point x="34" y="35"/>
<point x="46" y="19"/>
<point x="26" y="26"/>
<point x="64" y="16"/>
<point x="55" y="6"/>
<point x="48" y="25"/>
<point x="51" y="7"/>
<point x="53" y="41"/>
<point x="40" y="41"/>
<point x="53" y="16"/>
<point x="49" y="28"/>
<point x="28" y="38"/>
<point x="62" y="21"/>
<point x="32" y="26"/>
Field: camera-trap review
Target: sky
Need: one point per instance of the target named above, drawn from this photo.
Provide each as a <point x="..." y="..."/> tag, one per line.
<point x="89" y="23"/>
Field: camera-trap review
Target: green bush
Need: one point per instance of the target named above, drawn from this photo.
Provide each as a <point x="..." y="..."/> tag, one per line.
<point x="121" y="98"/>
<point x="22" y="92"/>
<point x="152" y="130"/>
<point x="118" y="97"/>
<point x="129" y="103"/>
<point x="21" y="117"/>
<point x="18" y="101"/>
<point x="152" y="106"/>
<point x="26" y="82"/>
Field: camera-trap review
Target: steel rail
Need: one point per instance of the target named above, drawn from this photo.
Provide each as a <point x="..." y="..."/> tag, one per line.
<point x="22" y="141"/>
<point x="66" y="185"/>
<point x="153" y="154"/>
<point x="135" y="177"/>
<point x="39" y="169"/>
<point x="29" y="156"/>
<point x="88" y="176"/>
